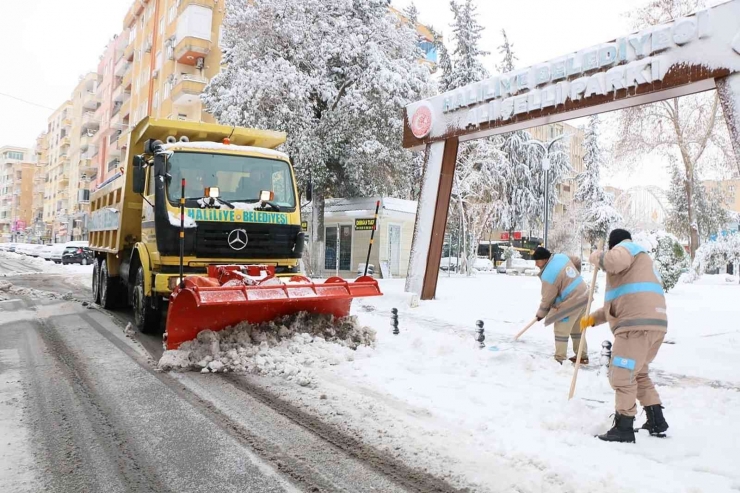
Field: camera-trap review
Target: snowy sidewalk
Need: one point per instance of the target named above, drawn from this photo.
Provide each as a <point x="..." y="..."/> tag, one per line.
<point x="500" y="420"/>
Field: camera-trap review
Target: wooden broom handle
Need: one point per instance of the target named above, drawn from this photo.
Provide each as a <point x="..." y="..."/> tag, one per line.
<point x="525" y="329"/>
<point x="583" y="334"/>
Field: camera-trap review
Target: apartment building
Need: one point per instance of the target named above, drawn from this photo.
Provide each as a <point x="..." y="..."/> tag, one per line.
<point x="56" y="191"/>
<point x="158" y="66"/>
<point x="38" y="232"/>
<point x="16" y="192"/>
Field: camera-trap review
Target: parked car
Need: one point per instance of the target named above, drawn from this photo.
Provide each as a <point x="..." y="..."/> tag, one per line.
<point x="57" y="251"/>
<point x="35" y="250"/>
<point x="77" y="255"/>
<point x="45" y="253"/>
<point x="483" y="264"/>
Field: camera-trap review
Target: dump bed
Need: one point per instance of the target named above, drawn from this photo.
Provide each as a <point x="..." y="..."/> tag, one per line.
<point x="116" y="211"/>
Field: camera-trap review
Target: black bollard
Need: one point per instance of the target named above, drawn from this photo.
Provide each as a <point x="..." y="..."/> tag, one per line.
<point x="394" y="321"/>
<point x="481" y="334"/>
<point x="606" y="353"/>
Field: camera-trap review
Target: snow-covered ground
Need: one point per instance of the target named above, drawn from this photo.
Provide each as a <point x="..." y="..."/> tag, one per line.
<point x="498" y="419"/>
<point x="15" y="264"/>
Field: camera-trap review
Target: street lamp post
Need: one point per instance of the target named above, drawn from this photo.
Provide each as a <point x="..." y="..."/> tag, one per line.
<point x="546" y="164"/>
<point x="546" y="168"/>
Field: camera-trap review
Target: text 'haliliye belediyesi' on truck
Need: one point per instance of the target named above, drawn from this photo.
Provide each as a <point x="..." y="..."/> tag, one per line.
<point x="240" y="208"/>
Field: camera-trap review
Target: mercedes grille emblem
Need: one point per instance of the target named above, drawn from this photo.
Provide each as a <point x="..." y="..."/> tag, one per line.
<point x="238" y="239"/>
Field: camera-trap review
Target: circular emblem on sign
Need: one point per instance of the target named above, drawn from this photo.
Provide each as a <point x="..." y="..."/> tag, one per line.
<point x="571" y="272"/>
<point x="238" y="239"/>
<point x="421" y="121"/>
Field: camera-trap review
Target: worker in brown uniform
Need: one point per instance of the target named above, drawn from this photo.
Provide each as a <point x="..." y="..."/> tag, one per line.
<point x="634" y="306"/>
<point x="564" y="300"/>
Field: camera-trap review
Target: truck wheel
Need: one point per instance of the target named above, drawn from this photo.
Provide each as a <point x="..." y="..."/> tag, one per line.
<point x="109" y="290"/>
<point x="96" y="282"/>
<point x="147" y="315"/>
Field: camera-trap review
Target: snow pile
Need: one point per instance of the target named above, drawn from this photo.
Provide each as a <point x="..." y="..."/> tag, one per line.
<point x="288" y="347"/>
<point x="7" y="289"/>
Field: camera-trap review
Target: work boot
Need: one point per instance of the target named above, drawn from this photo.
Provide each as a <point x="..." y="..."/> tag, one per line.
<point x="656" y="424"/>
<point x="584" y="360"/>
<point x="622" y="431"/>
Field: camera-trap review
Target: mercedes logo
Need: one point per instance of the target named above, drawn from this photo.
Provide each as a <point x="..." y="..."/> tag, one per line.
<point x="238" y="239"/>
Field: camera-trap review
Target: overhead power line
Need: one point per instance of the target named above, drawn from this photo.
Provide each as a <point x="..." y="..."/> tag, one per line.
<point x="26" y="101"/>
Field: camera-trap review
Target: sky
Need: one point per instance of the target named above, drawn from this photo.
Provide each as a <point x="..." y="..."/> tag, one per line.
<point x="47" y="46"/>
<point x="54" y="42"/>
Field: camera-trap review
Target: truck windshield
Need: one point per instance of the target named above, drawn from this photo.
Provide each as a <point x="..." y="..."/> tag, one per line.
<point x="239" y="178"/>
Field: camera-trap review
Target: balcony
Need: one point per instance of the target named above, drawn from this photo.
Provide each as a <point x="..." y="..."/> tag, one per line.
<point x="85" y="142"/>
<point x="92" y="151"/>
<point x="123" y="140"/>
<point x="87" y="165"/>
<point x="113" y="150"/>
<point x="63" y="179"/>
<point x="89" y="121"/>
<point x="189" y="49"/>
<point x="67" y="122"/>
<point x="188" y="89"/>
<point x="122" y="66"/>
<point x="64" y="142"/>
<point x="90" y="101"/>
<point x="128" y="79"/>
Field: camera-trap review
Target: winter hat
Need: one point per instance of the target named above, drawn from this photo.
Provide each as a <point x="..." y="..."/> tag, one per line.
<point x="618" y="236"/>
<point x="541" y="253"/>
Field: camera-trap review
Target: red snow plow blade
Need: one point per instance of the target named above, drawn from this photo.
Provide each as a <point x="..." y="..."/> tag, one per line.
<point x="232" y="294"/>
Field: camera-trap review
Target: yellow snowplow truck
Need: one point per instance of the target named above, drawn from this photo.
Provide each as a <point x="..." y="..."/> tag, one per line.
<point x="240" y="208"/>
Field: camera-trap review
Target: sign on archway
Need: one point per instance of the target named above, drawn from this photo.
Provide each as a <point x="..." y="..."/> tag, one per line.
<point x="697" y="53"/>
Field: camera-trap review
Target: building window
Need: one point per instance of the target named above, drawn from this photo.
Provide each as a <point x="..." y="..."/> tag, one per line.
<point x="14" y="155"/>
<point x="161" y="26"/>
<point x="159" y="60"/>
<point x="167" y="89"/>
<point x="155" y="100"/>
<point x="430" y="51"/>
<point x="172" y="14"/>
<point x="170" y="52"/>
<point x="132" y="35"/>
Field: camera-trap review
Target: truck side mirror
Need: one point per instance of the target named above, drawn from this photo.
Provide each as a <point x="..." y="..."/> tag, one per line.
<point x="139" y="175"/>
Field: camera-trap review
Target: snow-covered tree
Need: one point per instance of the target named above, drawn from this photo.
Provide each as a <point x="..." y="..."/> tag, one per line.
<point x="563" y="236"/>
<point x="716" y="255"/>
<point x="336" y="76"/>
<point x="689" y="128"/>
<point x="508" y="58"/>
<point x="710" y="215"/>
<point x="412" y="14"/>
<point x="475" y="192"/>
<point x="599" y="216"/>
<point x="667" y="253"/>
<point x="523" y="179"/>
<point x="467" y="55"/>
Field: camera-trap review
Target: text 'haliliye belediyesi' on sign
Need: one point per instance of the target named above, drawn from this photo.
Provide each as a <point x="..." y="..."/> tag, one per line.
<point x="709" y="39"/>
<point x="364" y="224"/>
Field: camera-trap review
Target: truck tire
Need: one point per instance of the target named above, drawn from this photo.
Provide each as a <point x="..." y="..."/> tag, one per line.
<point x="147" y="315"/>
<point x="109" y="288"/>
<point x="96" y="282"/>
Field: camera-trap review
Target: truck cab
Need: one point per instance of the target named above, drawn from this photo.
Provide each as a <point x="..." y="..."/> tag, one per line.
<point x="239" y="204"/>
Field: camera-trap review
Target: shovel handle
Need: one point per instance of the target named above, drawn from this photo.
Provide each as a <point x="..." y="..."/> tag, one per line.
<point x="525" y="329"/>
<point x="583" y="334"/>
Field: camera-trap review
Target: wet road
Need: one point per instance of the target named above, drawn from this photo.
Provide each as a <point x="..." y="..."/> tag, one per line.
<point x="84" y="409"/>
